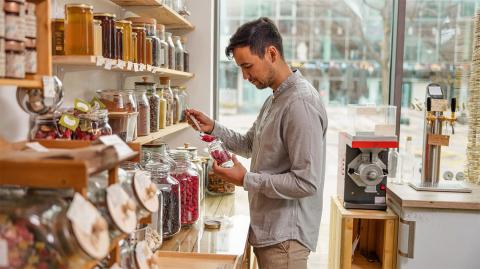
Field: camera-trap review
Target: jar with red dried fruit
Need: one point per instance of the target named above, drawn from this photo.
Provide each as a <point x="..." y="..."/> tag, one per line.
<point x="219" y="153"/>
<point x="44" y="127"/>
<point x="189" y="187"/>
<point x="92" y="125"/>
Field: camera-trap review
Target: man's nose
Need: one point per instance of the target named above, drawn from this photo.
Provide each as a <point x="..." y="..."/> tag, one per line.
<point x="246" y="76"/>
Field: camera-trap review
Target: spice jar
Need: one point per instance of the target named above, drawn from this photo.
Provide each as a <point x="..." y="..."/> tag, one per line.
<point x="30" y="20"/>
<point x="141" y="44"/>
<point x="97" y="38"/>
<point x="119" y="43"/>
<point x="134" y="48"/>
<point x="78" y="29"/>
<point x="170" y="189"/>
<point x="30" y="56"/>
<point x="15" y="59"/>
<point x="143" y="121"/>
<point x="58" y="35"/>
<point x="163" y="50"/>
<point x="171" y="51"/>
<point x="153" y="101"/>
<point x="177" y="113"/>
<point x="14" y="20"/>
<point x="117" y="100"/>
<point x="168" y="94"/>
<point x="189" y="187"/>
<point x="92" y="125"/>
<point x="197" y="166"/>
<point x="127" y="39"/>
<point x="219" y="153"/>
<point x="179" y="53"/>
<point x="149" y="52"/>
<point x="163" y="109"/>
<point x="108" y="34"/>
<point x="44" y="127"/>
<point x="183" y="95"/>
<point x="186" y="55"/>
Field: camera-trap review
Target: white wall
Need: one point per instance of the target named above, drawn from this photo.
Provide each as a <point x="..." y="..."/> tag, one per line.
<point x="80" y="83"/>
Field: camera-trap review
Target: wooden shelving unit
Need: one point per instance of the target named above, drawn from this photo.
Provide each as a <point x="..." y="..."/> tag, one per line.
<point x="154" y="9"/>
<point x="162" y="133"/>
<point x="44" y="55"/>
<point x="98" y="62"/>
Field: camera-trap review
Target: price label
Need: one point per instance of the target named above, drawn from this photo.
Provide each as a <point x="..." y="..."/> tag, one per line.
<point x="129" y="65"/>
<point x="135" y="67"/>
<point x="108" y="64"/>
<point x="142" y="67"/>
<point x="82" y="213"/>
<point x="149" y="68"/>
<point x="48" y="87"/>
<point x="113" y="140"/>
<point x="438" y="140"/>
<point x="100" y="61"/>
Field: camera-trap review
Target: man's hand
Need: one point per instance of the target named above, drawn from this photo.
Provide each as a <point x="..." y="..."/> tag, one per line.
<point x="233" y="175"/>
<point x="206" y="123"/>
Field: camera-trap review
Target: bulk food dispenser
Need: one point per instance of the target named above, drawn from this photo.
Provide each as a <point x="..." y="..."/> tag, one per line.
<point x="363" y="156"/>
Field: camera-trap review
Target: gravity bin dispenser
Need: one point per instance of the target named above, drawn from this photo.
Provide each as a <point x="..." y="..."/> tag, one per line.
<point x="363" y="157"/>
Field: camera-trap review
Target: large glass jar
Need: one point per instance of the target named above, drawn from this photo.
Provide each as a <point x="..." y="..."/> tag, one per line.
<point x="197" y="164"/>
<point x="78" y="29"/>
<point x="108" y="34"/>
<point x="127" y="39"/>
<point x="163" y="51"/>
<point x="163" y="109"/>
<point x="170" y="188"/>
<point x="143" y="121"/>
<point x="183" y="95"/>
<point x="150" y="28"/>
<point x="171" y="51"/>
<point x="189" y="187"/>
<point x="153" y="101"/>
<point x="44" y="127"/>
<point x="141" y="44"/>
<point x="92" y="125"/>
<point x="168" y="94"/>
<point x="58" y="35"/>
<point x="117" y="100"/>
<point x="179" y="56"/>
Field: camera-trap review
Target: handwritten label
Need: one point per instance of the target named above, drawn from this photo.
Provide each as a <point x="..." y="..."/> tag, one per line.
<point x="438" y="140"/>
<point x="121" y="147"/>
<point x="129" y="65"/>
<point x="100" y="61"/>
<point x="135" y="67"/>
<point x="120" y="64"/>
<point x="48" y="87"/>
<point x="149" y="68"/>
<point x="82" y="213"/>
<point x="142" y="67"/>
<point x="108" y="64"/>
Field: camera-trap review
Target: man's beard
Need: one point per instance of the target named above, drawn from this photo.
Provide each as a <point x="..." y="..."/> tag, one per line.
<point x="269" y="82"/>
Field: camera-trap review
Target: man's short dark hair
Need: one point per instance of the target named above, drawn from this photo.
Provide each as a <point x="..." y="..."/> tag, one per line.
<point x="258" y="35"/>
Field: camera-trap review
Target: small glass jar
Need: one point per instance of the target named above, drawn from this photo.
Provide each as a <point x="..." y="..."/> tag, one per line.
<point x="149" y="51"/>
<point x="119" y="43"/>
<point x="15" y="59"/>
<point x="153" y="101"/>
<point x="97" y="38"/>
<point x="177" y="112"/>
<point x="58" y="36"/>
<point x="92" y="125"/>
<point x="186" y="55"/>
<point x="143" y="107"/>
<point x="168" y="94"/>
<point x="162" y="121"/>
<point x="163" y="50"/>
<point x="189" y="187"/>
<point x="179" y="53"/>
<point x="108" y="34"/>
<point x="171" y="51"/>
<point x="127" y="39"/>
<point x="141" y="44"/>
<point x="219" y="153"/>
<point x="44" y="127"/>
<point x="170" y="189"/>
<point x="184" y="99"/>
<point x="30" y="20"/>
<point x="30" y="56"/>
<point x="14" y="20"/>
<point x="78" y="29"/>
<point x="117" y="100"/>
<point x="134" y="51"/>
<point x="197" y="165"/>
<point x="215" y="184"/>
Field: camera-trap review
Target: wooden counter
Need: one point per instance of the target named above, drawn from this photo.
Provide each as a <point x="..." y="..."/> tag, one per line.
<point x="228" y="247"/>
<point x="406" y="196"/>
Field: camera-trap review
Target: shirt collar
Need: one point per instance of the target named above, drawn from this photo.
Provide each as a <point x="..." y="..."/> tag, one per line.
<point x="289" y="82"/>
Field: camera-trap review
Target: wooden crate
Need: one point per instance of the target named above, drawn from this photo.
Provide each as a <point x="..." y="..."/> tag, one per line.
<point x="377" y="233"/>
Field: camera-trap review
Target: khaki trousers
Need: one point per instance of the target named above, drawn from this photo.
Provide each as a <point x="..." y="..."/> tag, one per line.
<point x="289" y="254"/>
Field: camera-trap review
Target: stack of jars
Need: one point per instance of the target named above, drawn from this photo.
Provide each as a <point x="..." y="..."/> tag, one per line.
<point x="18" y="34"/>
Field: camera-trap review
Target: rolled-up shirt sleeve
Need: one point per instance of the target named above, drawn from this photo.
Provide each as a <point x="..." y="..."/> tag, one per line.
<point x="303" y="136"/>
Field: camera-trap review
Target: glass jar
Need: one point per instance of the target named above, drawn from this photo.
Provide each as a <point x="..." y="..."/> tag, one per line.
<point x="153" y="101"/>
<point x="217" y="150"/>
<point x="179" y="105"/>
<point x="97" y="38"/>
<point x="186" y="55"/>
<point x="58" y="35"/>
<point x="189" y="187"/>
<point x="30" y="20"/>
<point x="15" y="59"/>
<point x="216" y="185"/>
<point x="143" y="107"/>
<point x="134" y="51"/>
<point x="14" y="20"/>
<point x="116" y="207"/>
<point x="171" y="51"/>
<point x="183" y="95"/>
<point x="117" y="100"/>
<point x="168" y="94"/>
<point x="162" y="121"/>
<point x="127" y="39"/>
<point x="108" y="34"/>
<point x="149" y="51"/>
<point x="179" y="53"/>
<point x="197" y="165"/>
<point x="141" y="44"/>
<point x="163" y="50"/>
<point x="30" y="56"/>
<point x="44" y="127"/>
<point x="150" y="27"/>
<point x="92" y="125"/>
<point x="119" y="43"/>
<point x="78" y="29"/>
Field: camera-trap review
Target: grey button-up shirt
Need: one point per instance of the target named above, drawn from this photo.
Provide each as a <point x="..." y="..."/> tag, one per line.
<point x="287" y="147"/>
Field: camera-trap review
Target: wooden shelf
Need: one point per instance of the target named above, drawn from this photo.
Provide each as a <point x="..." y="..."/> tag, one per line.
<point x="154" y="9"/>
<point x="164" y="132"/>
<point x="98" y="62"/>
<point x="23" y="83"/>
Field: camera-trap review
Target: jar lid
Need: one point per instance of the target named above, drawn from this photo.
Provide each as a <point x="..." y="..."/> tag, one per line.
<point x="144" y="257"/>
<point x="119" y="28"/>
<point x="161" y="27"/>
<point x="139" y="28"/>
<point x="97" y="21"/>
<point x="12" y="7"/>
<point x="142" y="20"/>
<point x="58" y="20"/>
<point x="134" y="34"/>
<point x="109" y="15"/>
<point x="144" y="82"/>
<point x="12" y="45"/>
<point x="168" y="34"/>
<point x="125" y="21"/>
<point x="184" y="39"/>
<point x="180" y="155"/>
<point x="148" y="39"/>
<point x="164" y="80"/>
<point x="79" y="5"/>
<point x="186" y="146"/>
<point x="146" y="191"/>
<point x="121" y="208"/>
<point x="155" y="144"/>
<point x="30" y="43"/>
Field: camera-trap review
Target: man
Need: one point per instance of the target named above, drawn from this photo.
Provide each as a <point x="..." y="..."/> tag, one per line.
<point x="287" y="147"/>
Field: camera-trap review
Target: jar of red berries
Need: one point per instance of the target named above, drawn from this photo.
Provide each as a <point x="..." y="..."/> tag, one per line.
<point x="219" y="153"/>
<point x="44" y="127"/>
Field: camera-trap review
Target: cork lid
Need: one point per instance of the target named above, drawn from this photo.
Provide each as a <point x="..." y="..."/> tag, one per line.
<point x="146" y="191"/>
<point x="161" y="27"/>
<point x="12" y="7"/>
<point x="124" y="22"/>
<point x="121" y="208"/>
<point x="164" y="80"/>
<point x="58" y="20"/>
<point x="142" y="20"/>
<point x="144" y="82"/>
<point x="97" y="22"/>
<point x="16" y="46"/>
<point x="109" y="15"/>
<point x="30" y="43"/>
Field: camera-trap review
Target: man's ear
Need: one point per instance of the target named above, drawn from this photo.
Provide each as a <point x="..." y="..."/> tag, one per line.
<point x="273" y="53"/>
